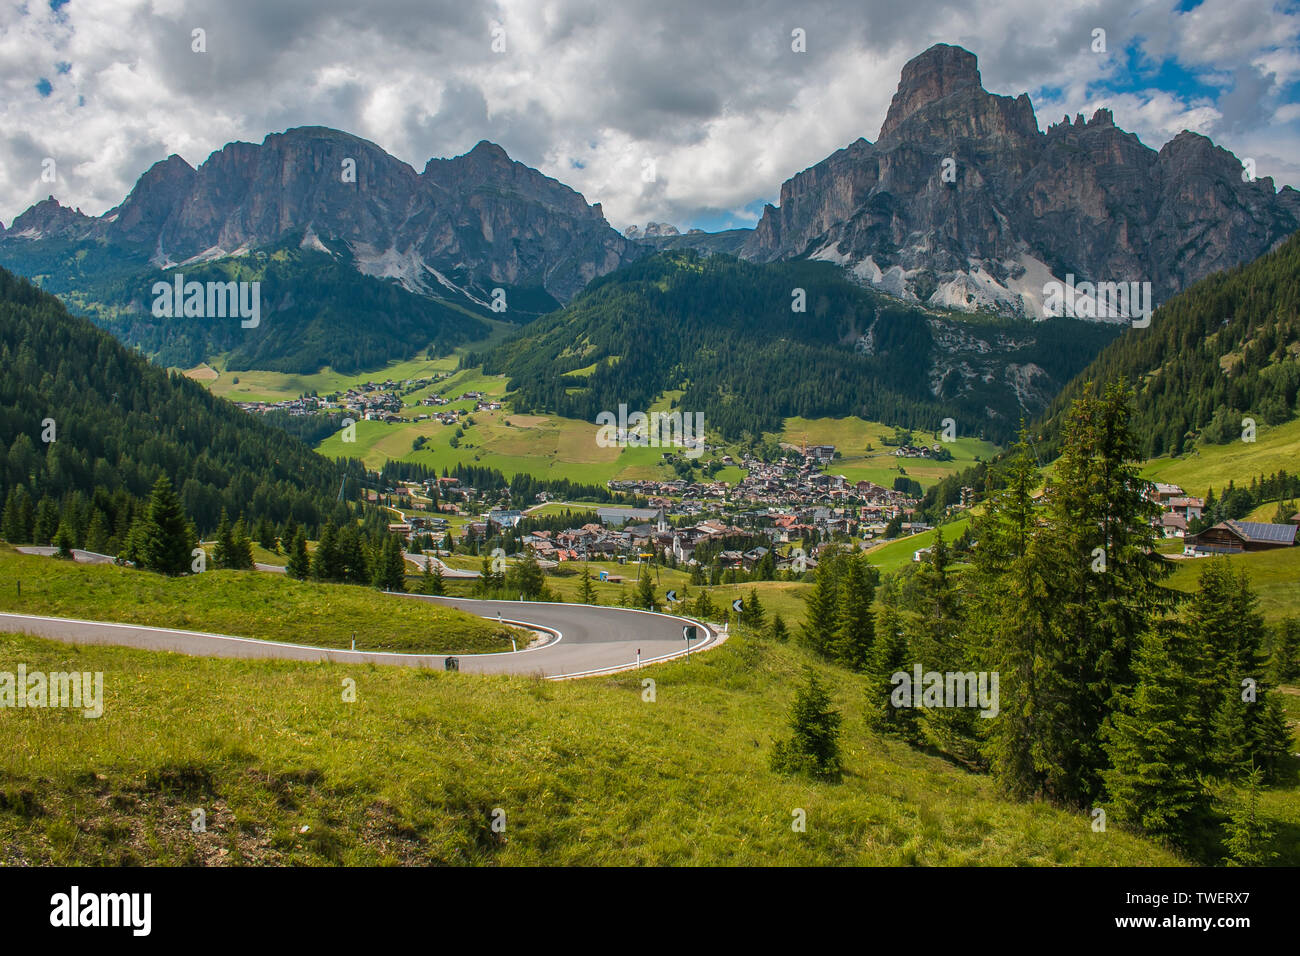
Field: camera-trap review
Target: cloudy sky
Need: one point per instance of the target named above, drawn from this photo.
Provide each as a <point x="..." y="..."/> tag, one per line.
<point x="589" y="90"/>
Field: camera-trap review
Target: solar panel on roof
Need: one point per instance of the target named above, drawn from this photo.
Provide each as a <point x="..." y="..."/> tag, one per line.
<point x="1259" y="531"/>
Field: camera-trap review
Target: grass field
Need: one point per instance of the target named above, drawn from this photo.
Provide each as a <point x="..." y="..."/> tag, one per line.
<point x="244" y="604"/>
<point x="541" y="445"/>
<point x="419" y="766"/>
<point x="1274" y="575"/>
<point x="851" y="436"/>
<point x="897" y="554"/>
<point x="1213" y="466"/>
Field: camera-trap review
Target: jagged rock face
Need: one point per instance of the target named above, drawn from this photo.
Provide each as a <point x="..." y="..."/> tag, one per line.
<point x="471" y="222"/>
<point x="1023" y="207"/>
<point x="49" y="219"/>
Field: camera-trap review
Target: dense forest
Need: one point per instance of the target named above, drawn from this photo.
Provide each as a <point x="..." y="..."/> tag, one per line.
<point x="1227" y="348"/>
<point x="726" y="333"/>
<point x="87" y="427"/>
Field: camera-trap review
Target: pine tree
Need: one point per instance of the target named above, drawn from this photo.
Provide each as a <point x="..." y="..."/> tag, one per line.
<point x="1284" y="651"/>
<point x="486" y="583"/>
<point x="1248" y="727"/>
<point x="704" y="607"/>
<point x="938" y="640"/>
<point x="98" y="533"/>
<point x="890" y="655"/>
<point x="1153" y="780"/>
<point x="823" y="606"/>
<point x="223" y="545"/>
<point x="19" y="518"/>
<point x="754" y="614"/>
<point x="645" y="592"/>
<point x="1246" y="835"/>
<point x="299" y="564"/>
<point x="1099" y="587"/>
<point x="266" y="535"/>
<point x="586" y="590"/>
<point x="526" y="577"/>
<point x="1005" y="618"/>
<point x="166" y="542"/>
<point x="47" y="521"/>
<point x="431" y="580"/>
<point x="63" y="542"/>
<point x="325" y="561"/>
<point x="242" y="551"/>
<point x="353" y="564"/>
<point x="777" y="630"/>
<point x="390" y="570"/>
<point x="855" y="628"/>
<point x="813" y="747"/>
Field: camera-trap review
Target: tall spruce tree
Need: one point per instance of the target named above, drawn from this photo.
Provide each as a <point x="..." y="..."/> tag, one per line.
<point x="165" y="535"/>
<point x="1006" y="607"/>
<point x="822" y="604"/>
<point x="889" y="656"/>
<point x="937" y="637"/>
<point x="326" y="562"/>
<point x="299" y="564"/>
<point x="855" y="627"/>
<point x="586" y="591"/>
<point x="390" y="569"/>
<point x="1153" y="779"/>
<point x="1100" y="588"/>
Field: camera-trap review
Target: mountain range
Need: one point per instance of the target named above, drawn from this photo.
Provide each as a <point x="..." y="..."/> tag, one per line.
<point x="961" y="205"/>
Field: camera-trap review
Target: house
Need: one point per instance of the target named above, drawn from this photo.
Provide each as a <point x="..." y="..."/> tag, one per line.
<point x="1163" y="493"/>
<point x="1173" y="525"/>
<point x="1234" y="537"/>
<point x="1189" y="508"/>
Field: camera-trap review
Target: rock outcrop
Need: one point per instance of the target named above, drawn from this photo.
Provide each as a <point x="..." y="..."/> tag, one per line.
<point x="963" y="202"/>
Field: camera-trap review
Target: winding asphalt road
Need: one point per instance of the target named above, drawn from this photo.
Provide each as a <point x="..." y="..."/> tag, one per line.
<point x="581" y="640"/>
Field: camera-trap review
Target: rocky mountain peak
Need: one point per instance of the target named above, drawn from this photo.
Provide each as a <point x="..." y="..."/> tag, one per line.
<point x="964" y="203"/>
<point x="938" y="72"/>
<point x="49" y="219"/>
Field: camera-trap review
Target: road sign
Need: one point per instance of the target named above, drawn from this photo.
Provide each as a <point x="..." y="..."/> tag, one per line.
<point x="689" y="632"/>
<point x="738" y="605"/>
<point x="451" y="664"/>
<point x="671" y="596"/>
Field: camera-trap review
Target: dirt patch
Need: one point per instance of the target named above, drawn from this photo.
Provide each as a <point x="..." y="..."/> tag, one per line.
<point x="203" y="372"/>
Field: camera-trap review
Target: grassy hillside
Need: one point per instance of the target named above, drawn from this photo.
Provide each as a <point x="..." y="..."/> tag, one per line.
<point x="851" y="436"/>
<point x="1274" y="575"/>
<point x="586" y="772"/>
<point x="243" y="604"/>
<point x="1213" y="466"/>
<point x="727" y="334"/>
<point x="1226" y="348"/>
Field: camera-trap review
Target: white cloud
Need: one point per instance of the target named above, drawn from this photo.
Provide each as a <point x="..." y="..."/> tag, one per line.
<point x="712" y="92"/>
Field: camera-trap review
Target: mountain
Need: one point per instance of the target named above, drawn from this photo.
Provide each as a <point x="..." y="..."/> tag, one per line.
<point x="662" y="236"/>
<point x="119" y="422"/>
<point x="1226" y="349"/>
<point x="1023" y="207"/>
<point x="455" y="233"/>
<point x="723" y="331"/>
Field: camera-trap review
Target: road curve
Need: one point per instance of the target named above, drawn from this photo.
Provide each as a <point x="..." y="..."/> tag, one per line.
<point x="584" y="639"/>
